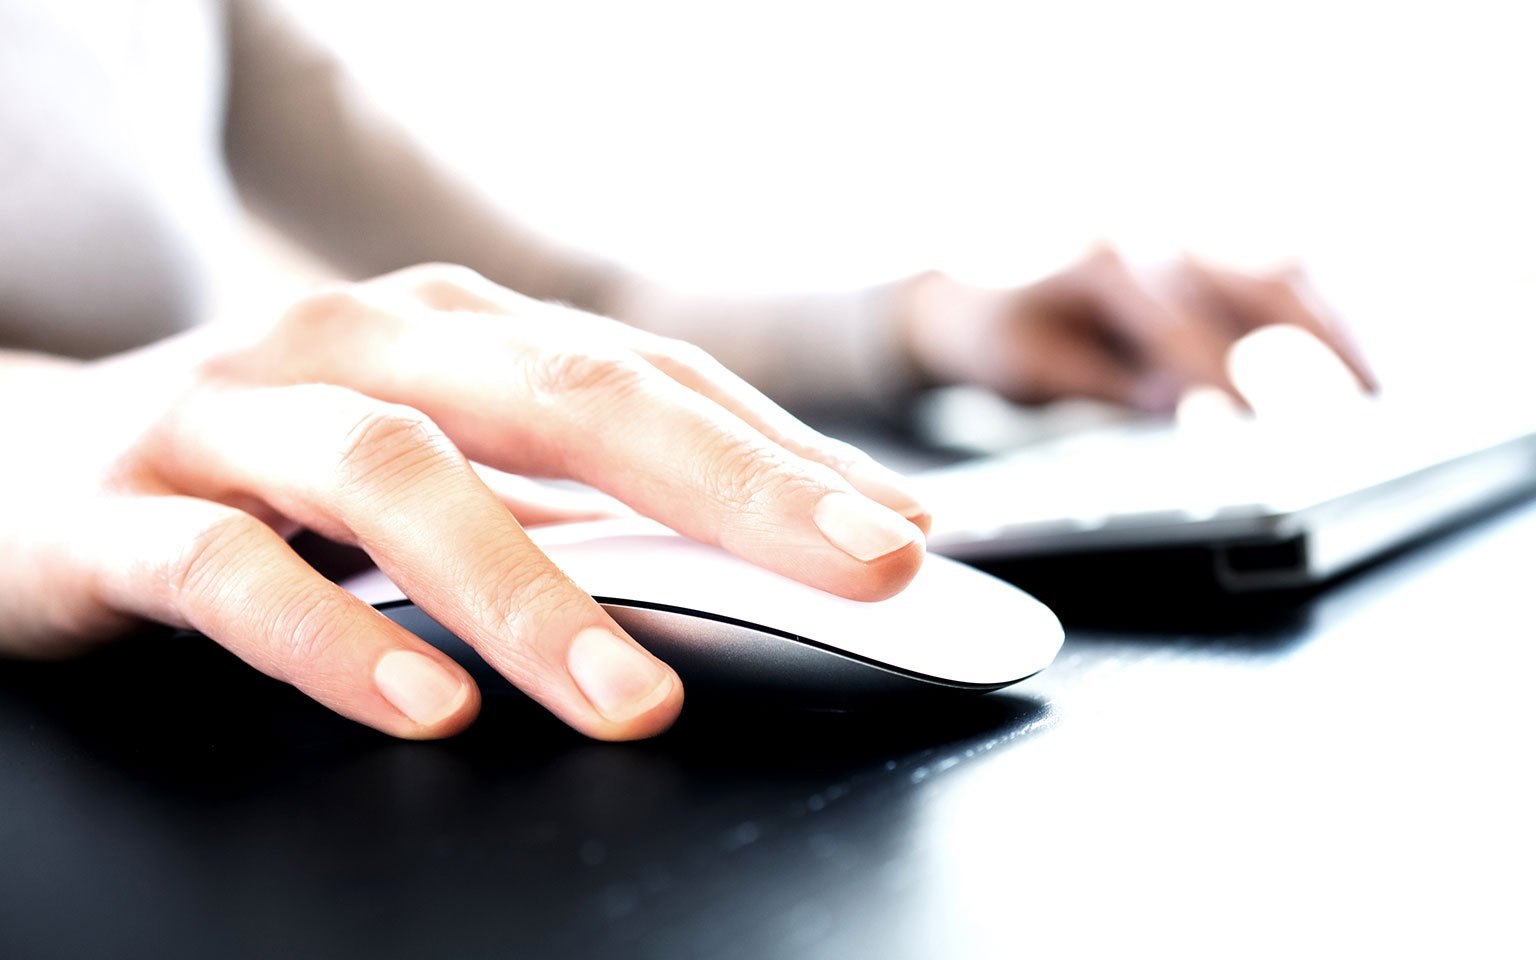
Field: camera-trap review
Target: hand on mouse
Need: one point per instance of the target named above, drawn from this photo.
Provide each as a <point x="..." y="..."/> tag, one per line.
<point x="160" y="484"/>
<point x="1103" y="328"/>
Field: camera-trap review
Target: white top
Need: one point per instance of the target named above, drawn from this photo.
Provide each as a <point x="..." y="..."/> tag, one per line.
<point x="127" y="125"/>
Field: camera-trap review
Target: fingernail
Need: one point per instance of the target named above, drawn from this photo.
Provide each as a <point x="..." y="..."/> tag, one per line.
<point x="862" y="528"/>
<point x="621" y="681"/>
<point x="418" y="686"/>
<point x="885" y="485"/>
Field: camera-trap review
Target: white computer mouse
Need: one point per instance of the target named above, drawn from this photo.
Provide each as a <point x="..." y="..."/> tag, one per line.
<point x="726" y="624"/>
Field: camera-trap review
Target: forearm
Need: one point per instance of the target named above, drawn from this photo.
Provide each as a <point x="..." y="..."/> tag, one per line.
<point x="839" y="349"/>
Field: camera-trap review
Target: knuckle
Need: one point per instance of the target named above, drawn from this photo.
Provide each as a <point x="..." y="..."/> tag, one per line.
<point x="208" y="555"/>
<point x="527" y="592"/>
<point x="439" y="272"/>
<point x="442" y="282"/>
<point x="749" y="478"/>
<point x="559" y="375"/>
<point x="385" y="446"/>
<point x="326" y="311"/>
<point x="313" y="328"/>
<point x="307" y="630"/>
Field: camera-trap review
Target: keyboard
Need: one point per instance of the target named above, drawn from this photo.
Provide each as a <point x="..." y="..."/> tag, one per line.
<point x="1280" y="503"/>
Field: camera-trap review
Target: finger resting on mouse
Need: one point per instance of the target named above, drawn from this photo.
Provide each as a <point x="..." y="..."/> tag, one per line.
<point x="385" y="477"/>
<point x="546" y="397"/>
<point x="451" y="288"/>
<point x="723" y="482"/>
<point x="218" y="570"/>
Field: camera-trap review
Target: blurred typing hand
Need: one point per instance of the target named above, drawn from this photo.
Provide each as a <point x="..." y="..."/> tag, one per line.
<point x="1106" y="329"/>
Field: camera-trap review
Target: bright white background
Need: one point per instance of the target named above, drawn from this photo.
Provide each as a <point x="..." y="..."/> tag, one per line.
<point x="1389" y="145"/>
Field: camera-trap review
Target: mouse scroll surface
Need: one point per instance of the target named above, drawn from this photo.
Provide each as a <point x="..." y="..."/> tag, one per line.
<point x="730" y="624"/>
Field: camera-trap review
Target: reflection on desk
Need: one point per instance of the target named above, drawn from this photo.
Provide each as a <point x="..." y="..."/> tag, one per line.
<point x="1343" y="775"/>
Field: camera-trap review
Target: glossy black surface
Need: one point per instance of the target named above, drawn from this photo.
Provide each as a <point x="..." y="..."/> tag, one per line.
<point x="1343" y="774"/>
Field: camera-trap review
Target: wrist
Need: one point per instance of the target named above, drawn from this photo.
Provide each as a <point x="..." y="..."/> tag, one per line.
<point x="915" y="302"/>
<point x="943" y="326"/>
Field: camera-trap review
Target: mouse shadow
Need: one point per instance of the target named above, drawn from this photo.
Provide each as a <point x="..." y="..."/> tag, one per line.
<point x="744" y="738"/>
<point x="213" y="777"/>
<point x="757" y="731"/>
<point x="174" y="712"/>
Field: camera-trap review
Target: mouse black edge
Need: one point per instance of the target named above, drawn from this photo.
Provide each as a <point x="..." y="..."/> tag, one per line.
<point x="774" y="631"/>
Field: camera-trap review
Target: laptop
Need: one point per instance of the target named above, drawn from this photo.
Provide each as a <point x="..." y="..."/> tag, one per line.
<point x="1274" y="504"/>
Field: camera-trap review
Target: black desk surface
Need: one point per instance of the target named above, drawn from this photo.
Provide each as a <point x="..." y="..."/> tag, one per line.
<point x="1346" y="774"/>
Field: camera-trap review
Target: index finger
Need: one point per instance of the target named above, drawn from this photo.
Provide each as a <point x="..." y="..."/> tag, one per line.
<point x="461" y="289"/>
